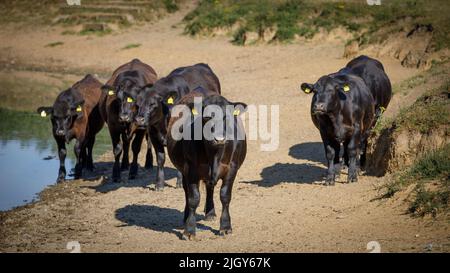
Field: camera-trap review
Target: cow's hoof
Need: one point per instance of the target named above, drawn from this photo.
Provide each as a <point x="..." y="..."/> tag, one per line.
<point x="116" y="179"/>
<point x="329" y="182"/>
<point x="352" y="179"/>
<point x="188" y="236"/>
<point x="224" y="232"/>
<point x="210" y="216"/>
<point x="60" y="180"/>
<point x="124" y="167"/>
<point x="159" y="188"/>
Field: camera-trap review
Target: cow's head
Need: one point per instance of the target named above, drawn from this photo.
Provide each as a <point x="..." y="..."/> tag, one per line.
<point x="219" y="119"/>
<point x="151" y="106"/>
<point x="125" y="90"/>
<point x="68" y="107"/>
<point x="328" y="92"/>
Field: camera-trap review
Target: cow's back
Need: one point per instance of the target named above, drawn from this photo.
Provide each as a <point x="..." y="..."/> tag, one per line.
<point x="373" y="74"/>
<point x="135" y="64"/>
<point x="199" y="75"/>
<point x="90" y="89"/>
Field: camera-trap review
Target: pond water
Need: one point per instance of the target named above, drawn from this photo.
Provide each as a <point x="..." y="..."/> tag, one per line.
<point x="28" y="156"/>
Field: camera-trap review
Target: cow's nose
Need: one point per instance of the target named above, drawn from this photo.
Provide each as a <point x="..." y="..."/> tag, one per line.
<point x="219" y="139"/>
<point x="59" y="132"/>
<point x="319" y="107"/>
<point x="140" y="121"/>
<point x="124" y="118"/>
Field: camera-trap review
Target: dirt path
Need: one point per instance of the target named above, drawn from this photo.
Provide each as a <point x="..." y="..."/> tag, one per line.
<point x="277" y="202"/>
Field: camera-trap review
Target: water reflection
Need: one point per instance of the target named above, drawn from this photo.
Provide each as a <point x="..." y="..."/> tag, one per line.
<point x="28" y="156"/>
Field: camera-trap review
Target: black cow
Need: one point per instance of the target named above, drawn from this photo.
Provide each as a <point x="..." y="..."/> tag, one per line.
<point x="373" y="74"/>
<point x="75" y="114"/>
<point x="156" y="100"/>
<point x="343" y="109"/>
<point x="118" y="108"/>
<point x="207" y="159"/>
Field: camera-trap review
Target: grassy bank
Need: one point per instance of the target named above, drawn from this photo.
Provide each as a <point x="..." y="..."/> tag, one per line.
<point x="429" y="174"/>
<point x="95" y="16"/>
<point x="305" y="18"/>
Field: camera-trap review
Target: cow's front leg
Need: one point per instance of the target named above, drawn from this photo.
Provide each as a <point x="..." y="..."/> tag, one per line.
<point x="353" y="152"/>
<point x="80" y="155"/>
<point x="117" y="149"/>
<point x="149" y="155"/>
<point x="160" y="159"/>
<point x="210" y="212"/>
<point x="179" y="179"/>
<point x="331" y="151"/>
<point x="126" y="148"/>
<point x="225" y="198"/>
<point x="193" y="199"/>
<point x="136" y="147"/>
<point x="62" y="152"/>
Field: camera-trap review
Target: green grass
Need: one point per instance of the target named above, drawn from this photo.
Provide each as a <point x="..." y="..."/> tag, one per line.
<point x="43" y="12"/>
<point x="307" y="17"/>
<point x="431" y="176"/>
<point x="130" y="46"/>
<point x="21" y="93"/>
<point x="431" y="111"/>
<point x="54" y="44"/>
<point x="99" y="33"/>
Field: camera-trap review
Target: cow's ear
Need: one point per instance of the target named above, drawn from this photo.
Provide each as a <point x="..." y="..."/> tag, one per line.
<point x="44" y="111"/>
<point x="346" y="87"/>
<point x="171" y="98"/>
<point x="77" y="108"/>
<point x="239" y="108"/>
<point x="109" y="90"/>
<point x="306" y="87"/>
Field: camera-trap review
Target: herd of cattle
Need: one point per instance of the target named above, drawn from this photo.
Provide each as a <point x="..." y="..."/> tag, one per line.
<point x="135" y="104"/>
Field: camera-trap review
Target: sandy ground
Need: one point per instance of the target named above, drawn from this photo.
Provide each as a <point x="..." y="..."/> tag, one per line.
<point x="278" y="202"/>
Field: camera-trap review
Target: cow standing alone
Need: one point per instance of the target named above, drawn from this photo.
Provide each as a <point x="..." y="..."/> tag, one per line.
<point x="75" y="114"/>
<point x="343" y="109"/>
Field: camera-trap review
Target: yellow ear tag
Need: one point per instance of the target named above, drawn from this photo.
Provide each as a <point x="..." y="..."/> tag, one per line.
<point x="129" y="99"/>
<point x="43" y="114"/>
<point x="307" y="90"/>
<point x="170" y="100"/>
<point x="111" y="92"/>
<point x="382" y="109"/>
<point x="236" y="112"/>
<point x="194" y="111"/>
<point x="78" y="109"/>
<point x="346" y="88"/>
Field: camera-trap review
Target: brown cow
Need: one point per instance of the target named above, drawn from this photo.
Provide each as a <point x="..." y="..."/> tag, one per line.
<point x="118" y="108"/>
<point x="75" y="114"/>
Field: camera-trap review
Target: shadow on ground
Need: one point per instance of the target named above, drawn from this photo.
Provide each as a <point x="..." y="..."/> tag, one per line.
<point x="290" y="173"/>
<point x="311" y="151"/>
<point x="144" y="178"/>
<point x="156" y="218"/>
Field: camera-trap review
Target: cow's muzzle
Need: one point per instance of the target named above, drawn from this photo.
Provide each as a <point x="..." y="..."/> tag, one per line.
<point x="60" y="132"/>
<point x="124" y="118"/>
